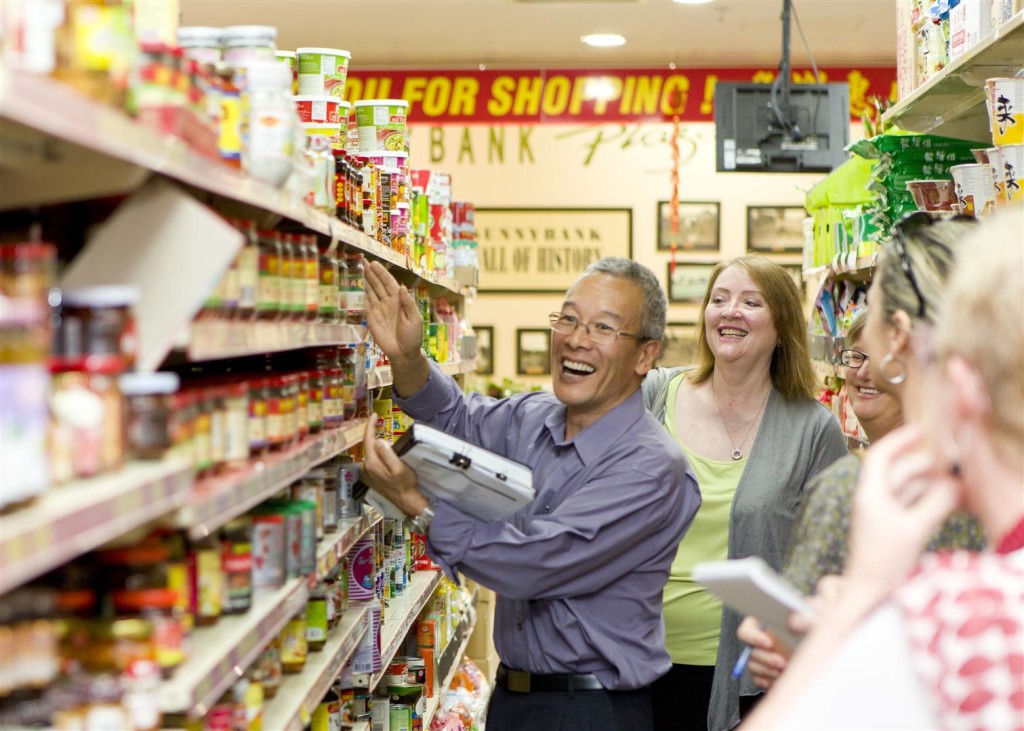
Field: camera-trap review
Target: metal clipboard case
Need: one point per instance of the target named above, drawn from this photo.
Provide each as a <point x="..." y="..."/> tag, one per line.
<point x="477" y="481"/>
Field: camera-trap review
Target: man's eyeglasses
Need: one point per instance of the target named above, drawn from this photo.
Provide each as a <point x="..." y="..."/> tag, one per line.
<point x="599" y="332"/>
<point x="911" y="222"/>
<point x="853" y="358"/>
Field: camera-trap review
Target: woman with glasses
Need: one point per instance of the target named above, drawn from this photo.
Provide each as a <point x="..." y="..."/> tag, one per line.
<point x="747" y="420"/>
<point x="933" y="642"/>
<point x="820" y="539"/>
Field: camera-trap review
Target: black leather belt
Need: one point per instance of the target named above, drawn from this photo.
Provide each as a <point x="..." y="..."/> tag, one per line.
<point x="518" y="681"/>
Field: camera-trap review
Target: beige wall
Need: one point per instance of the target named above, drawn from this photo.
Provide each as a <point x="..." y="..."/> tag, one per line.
<point x="616" y="166"/>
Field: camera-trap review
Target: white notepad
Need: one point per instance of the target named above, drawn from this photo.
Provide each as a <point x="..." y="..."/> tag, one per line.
<point x="752" y="587"/>
<point x="478" y="482"/>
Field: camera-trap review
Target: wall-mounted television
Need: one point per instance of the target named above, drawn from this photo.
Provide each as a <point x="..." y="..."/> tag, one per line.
<point x="810" y="136"/>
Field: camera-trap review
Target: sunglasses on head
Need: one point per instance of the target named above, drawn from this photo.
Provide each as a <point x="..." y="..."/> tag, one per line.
<point x="911" y="222"/>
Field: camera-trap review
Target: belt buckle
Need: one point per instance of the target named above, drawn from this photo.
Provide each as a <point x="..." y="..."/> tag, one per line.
<point x="518" y="681"/>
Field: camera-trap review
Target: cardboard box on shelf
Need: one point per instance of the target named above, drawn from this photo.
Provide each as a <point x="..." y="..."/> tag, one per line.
<point x="969" y="24"/>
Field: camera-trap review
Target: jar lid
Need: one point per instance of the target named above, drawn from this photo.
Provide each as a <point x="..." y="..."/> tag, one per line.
<point x="143" y="384"/>
<point x="143" y="554"/>
<point x="268" y="75"/>
<point x="325" y="52"/>
<point x="382" y="103"/>
<point x="138" y="599"/>
<point x="242" y="34"/>
<point x="28" y="250"/>
<point x="104" y="295"/>
<point x="199" y="36"/>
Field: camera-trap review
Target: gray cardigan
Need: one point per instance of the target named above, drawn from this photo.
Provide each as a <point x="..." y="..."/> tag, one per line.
<point x="796" y="440"/>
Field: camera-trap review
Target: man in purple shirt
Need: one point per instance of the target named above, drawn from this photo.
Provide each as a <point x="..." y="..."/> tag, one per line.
<point x="579" y="572"/>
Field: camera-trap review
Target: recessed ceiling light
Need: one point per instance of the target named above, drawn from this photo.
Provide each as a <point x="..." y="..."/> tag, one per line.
<point x="603" y="40"/>
<point x="693" y="2"/>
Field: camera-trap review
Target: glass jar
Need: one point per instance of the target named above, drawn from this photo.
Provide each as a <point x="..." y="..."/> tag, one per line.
<point x="348" y="385"/>
<point x="88" y="414"/>
<point x="147" y="398"/>
<point x="248" y="271"/>
<point x="200" y="43"/>
<point x="214" y="395"/>
<point x="236" y="559"/>
<point x="318" y="149"/>
<point x="355" y="300"/>
<point x="159" y="608"/>
<point x="311" y="488"/>
<point x="256" y="427"/>
<point x="316" y="401"/>
<point x="246" y="44"/>
<point x="316" y="618"/>
<point x="301" y="404"/>
<point x="202" y="432"/>
<point x="269" y="287"/>
<point x="269" y="537"/>
<point x="236" y="423"/>
<point x="277" y="436"/>
<point x="98" y="321"/>
<point x="292" y="281"/>
<point x="268" y="665"/>
<point x="271" y="122"/>
<point x="311" y="261"/>
<point x="328" y="310"/>
<point x="206" y="580"/>
<point x="294" y="649"/>
<point x="333" y="398"/>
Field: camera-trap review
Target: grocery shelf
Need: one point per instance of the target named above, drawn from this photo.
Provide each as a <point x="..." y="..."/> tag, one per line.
<point x="400" y="616"/>
<point x="69" y="520"/>
<point x="213" y="339"/>
<point x="466" y="630"/>
<point x="952" y="103"/>
<point x="221" y="654"/>
<point x="216" y="500"/>
<point x="301" y="693"/>
<point x="350" y="530"/>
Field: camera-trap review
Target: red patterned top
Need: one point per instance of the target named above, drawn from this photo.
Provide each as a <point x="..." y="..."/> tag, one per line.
<point x="965" y="616"/>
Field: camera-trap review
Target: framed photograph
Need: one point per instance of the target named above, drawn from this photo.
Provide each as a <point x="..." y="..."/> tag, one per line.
<point x="688" y="282"/>
<point x="484" y="349"/>
<point x="775" y="229"/>
<point x="680" y="344"/>
<point x="698" y="226"/>
<point x="544" y="250"/>
<point x="533" y="352"/>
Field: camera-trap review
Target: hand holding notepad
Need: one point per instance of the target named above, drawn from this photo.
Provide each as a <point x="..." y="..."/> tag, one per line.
<point x="752" y="587"/>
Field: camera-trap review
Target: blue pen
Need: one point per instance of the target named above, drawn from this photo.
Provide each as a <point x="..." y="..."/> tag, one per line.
<point x="741" y="663"/>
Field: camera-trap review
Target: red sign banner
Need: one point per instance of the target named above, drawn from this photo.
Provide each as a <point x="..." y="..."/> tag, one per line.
<point x="554" y="96"/>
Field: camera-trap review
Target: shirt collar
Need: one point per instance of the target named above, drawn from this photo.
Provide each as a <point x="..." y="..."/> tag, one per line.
<point x="592" y="442"/>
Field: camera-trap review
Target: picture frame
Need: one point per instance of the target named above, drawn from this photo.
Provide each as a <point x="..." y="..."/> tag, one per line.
<point x="700" y="226"/>
<point x="775" y="229"/>
<point x="544" y="250"/>
<point x="484" y="349"/>
<point x="680" y="346"/>
<point x="533" y="352"/>
<point x="687" y="284"/>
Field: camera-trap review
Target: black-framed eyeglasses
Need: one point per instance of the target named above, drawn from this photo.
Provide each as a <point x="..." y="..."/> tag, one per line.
<point x="911" y="222"/>
<point x="599" y="332"/>
<point x="853" y="358"/>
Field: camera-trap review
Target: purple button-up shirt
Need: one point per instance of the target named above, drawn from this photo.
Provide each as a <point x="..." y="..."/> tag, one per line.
<point x="579" y="572"/>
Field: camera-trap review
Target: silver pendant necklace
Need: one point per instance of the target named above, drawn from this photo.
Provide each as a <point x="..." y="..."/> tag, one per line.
<point x="737" y="453"/>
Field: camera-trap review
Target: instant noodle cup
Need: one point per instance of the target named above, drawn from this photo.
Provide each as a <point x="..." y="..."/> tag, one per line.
<point x="974" y="189"/>
<point x="1006" y="110"/>
<point x="1013" y="172"/>
<point x="381" y="124"/>
<point x="323" y="71"/>
<point x="994" y="158"/>
<point x="289" y="59"/>
<point x="331" y="131"/>
<point x="317" y="109"/>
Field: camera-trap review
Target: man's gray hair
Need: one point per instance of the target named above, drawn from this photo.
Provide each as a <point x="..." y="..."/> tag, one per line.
<point x="652" y="319"/>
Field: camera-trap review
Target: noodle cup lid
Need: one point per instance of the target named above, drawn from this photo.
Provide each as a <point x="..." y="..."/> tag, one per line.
<point x="382" y="103"/>
<point x="324" y="51"/>
<point x="315" y="98"/>
<point x="285" y="54"/>
<point x="139" y="384"/>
